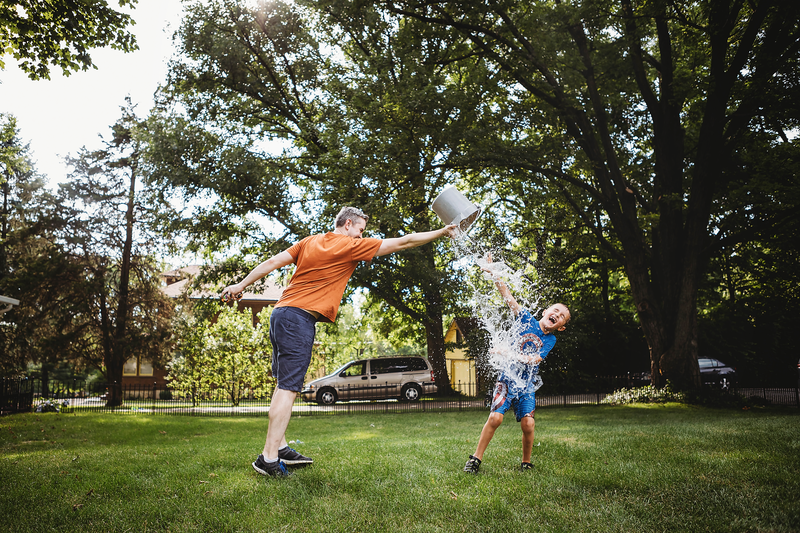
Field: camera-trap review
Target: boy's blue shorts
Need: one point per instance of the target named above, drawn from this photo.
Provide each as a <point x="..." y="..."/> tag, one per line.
<point x="291" y="331"/>
<point x="524" y="404"/>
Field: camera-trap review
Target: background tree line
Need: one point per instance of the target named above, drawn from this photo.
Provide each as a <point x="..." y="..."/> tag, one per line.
<point x="638" y="159"/>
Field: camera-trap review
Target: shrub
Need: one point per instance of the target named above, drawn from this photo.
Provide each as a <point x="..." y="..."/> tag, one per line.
<point x="646" y="394"/>
<point x="717" y="397"/>
<point x="52" y="406"/>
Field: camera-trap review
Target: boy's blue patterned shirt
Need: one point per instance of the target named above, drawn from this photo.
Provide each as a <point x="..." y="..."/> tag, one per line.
<point x="520" y="376"/>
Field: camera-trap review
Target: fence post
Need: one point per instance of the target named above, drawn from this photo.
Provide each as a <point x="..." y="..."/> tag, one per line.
<point x="155" y="384"/>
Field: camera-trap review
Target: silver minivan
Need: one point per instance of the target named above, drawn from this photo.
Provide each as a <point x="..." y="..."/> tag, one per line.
<point x="404" y="377"/>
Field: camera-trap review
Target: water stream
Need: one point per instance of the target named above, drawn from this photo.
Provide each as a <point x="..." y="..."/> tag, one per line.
<point x="488" y="306"/>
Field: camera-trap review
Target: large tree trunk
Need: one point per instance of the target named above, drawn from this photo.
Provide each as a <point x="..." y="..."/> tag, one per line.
<point x="113" y="367"/>
<point x="45" y="380"/>
<point x="119" y="348"/>
<point x="436" y="355"/>
<point x="114" y="396"/>
<point x="434" y="327"/>
<point x="670" y="328"/>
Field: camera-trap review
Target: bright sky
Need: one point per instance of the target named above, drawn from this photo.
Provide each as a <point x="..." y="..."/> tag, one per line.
<point x="59" y="116"/>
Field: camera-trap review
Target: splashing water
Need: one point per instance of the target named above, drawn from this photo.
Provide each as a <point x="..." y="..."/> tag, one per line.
<point x="504" y="331"/>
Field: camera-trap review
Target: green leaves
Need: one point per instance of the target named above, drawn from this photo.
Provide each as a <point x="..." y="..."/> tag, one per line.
<point x="60" y="33"/>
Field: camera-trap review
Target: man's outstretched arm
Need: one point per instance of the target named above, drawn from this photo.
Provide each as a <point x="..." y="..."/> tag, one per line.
<point x="273" y="263"/>
<point x="390" y="246"/>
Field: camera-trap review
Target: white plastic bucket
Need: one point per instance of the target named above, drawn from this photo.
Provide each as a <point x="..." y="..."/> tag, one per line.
<point x="452" y="207"/>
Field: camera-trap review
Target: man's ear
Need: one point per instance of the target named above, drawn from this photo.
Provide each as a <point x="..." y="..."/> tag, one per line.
<point x="562" y="328"/>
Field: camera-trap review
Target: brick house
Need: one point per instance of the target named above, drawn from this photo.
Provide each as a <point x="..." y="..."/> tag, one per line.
<point x="175" y="284"/>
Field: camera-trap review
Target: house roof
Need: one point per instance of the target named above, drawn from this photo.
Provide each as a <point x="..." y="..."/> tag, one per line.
<point x="180" y="273"/>
<point x="175" y="289"/>
<point x="467" y="324"/>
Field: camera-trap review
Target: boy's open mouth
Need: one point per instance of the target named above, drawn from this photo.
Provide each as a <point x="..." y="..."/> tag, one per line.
<point x="552" y="319"/>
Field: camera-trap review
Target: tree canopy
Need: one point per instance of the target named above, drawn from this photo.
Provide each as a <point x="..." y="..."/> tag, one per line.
<point x="61" y="33"/>
<point x="354" y="131"/>
<point x="617" y="144"/>
<point x="82" y="263"/>
<point x="641" y="117"/>
<point x="637" y="160"/>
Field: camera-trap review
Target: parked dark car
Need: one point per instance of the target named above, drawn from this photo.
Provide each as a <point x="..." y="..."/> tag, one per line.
<point x="715" y="372"/>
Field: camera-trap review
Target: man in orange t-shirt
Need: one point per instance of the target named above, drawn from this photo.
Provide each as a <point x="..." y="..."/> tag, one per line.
<point x="324" y="265"/>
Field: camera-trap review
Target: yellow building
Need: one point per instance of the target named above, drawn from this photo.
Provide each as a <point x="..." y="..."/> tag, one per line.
<point x="462" y="371"/>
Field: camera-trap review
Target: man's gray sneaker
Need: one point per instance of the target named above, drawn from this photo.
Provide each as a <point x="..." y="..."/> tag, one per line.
<point x="472" y="465"/>
<point x="293" y="457"/>
<point x="276" y="469"/>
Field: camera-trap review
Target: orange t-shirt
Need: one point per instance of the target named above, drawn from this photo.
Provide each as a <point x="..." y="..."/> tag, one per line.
<point x="324" y="265"/>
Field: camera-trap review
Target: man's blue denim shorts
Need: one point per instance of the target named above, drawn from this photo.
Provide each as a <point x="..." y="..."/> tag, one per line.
<point x="291" y="331"/>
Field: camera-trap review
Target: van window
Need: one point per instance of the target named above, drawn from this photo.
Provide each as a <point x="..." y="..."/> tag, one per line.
<point x="383" y="366"/>
<point x="418" y="364"/>
<point x="397" y="364"/>
<point x="356" y="369"/>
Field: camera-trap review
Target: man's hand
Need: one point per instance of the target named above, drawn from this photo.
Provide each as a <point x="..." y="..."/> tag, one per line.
<point x="232" y="293"/>
<point x="452" y="230"/>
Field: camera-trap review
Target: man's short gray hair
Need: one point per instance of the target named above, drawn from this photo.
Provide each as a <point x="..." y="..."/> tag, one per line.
<point x="350" y="213"/>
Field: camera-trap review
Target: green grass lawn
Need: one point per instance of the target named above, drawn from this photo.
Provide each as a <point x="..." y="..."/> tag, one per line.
<point x="597" y="469"/>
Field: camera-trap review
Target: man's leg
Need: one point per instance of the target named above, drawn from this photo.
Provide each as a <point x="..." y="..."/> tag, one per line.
<point x="292" y="333"/>
<point x="280" y="411"/>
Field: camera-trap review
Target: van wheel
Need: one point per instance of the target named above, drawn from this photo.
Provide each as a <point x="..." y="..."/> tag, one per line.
<point x="326" y="396"/>
<point x="410" y="392"/>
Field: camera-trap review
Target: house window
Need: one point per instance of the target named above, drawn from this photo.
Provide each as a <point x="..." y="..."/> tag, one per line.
<point x="134" y="367"/>
<point x="129" y="368"/>
<point x="145" y="368"/>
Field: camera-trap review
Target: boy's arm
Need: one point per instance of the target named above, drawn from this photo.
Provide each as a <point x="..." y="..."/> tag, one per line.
<point x="543" y="351"/>
<point x="536" y="359"/>
<point x="505" y="292"/>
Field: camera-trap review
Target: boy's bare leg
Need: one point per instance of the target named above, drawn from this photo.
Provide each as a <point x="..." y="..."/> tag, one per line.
<point x="280" y="411"/>
<point x="528" y="424"/>
<point x="491" y="425"/>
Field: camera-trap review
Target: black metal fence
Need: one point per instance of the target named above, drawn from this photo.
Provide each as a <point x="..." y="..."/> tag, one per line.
<point x="16" y="395"/>
<point x="72" y="397"/>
